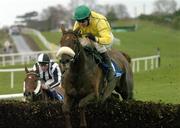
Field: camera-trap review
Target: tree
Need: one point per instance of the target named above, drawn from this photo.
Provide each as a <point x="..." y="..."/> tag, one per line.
<point x="28" y="16"/>
<point x="176" y="22"/>
<point x="55" y="15"/>
<point x="111" y="15"/>
<point x="74" y="3"/>
<point x="121" y="11"/>
<point x="163" y="7"/>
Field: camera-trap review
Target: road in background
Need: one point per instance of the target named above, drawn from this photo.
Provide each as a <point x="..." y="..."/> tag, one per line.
<point x="21" y="44"/>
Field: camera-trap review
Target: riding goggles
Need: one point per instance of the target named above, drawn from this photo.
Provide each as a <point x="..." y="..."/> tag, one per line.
<point x="43" y="64"/>
<point x="83" y="20"/>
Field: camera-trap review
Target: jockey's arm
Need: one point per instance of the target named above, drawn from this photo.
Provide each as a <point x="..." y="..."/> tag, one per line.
<point x="55" y="81"/>
<point x="105" y="35"/>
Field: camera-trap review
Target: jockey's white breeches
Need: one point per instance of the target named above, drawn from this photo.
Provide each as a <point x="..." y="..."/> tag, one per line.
<point x="101" y="48"/>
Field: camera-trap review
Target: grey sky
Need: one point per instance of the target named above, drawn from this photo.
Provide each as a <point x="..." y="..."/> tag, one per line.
<point x="9" y="9"/>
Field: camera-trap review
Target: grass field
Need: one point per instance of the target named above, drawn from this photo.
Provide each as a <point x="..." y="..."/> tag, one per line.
<point x="162" y="84"/>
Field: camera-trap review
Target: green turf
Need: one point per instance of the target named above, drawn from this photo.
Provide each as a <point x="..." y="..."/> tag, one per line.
<point x="162" y="84"/>
<point x="52" y="37"/>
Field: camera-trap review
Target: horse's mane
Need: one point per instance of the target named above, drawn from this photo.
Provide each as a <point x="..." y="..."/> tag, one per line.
<point x="126" y="56"/>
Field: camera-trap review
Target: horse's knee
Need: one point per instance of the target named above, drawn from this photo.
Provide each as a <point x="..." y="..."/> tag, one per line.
<point x="65" y="108"/>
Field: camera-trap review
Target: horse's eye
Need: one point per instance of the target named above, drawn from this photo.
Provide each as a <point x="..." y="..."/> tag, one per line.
<point x="64" y="61"/>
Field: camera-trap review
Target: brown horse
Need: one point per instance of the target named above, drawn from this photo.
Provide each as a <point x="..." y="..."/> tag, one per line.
<point x="83" y="79"/>
<point x="32" y="88"/>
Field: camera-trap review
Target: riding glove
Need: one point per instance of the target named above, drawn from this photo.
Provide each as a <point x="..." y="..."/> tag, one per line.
<point x="91" y="37"/>
<point x="45" y="86"/>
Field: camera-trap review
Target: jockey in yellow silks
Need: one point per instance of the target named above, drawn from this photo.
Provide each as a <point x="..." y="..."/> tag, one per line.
<point x="95" y="27"/>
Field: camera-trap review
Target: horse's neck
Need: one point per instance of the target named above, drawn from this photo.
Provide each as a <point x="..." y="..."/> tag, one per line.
<point x="81" y="61"/>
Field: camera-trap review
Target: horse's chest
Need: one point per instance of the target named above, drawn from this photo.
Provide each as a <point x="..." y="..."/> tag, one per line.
<point x="77" y="88"/>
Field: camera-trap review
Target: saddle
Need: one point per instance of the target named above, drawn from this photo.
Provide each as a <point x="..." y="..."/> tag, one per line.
<point x="99" y="60"/>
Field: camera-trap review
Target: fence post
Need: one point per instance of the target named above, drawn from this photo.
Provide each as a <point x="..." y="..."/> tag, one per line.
<point x="146" y="65"/>
<point x="152" y="63"/>
<point x="138" y="66"/>
<point x="13" y="63"/>
<point x="159" y="59"/>
<point x="12" y="79"/>
<point x="3" y="60"/>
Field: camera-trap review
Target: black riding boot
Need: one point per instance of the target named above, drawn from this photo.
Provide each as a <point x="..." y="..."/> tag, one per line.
<point x="110" y="72"/>
<point x="110" y="78"/>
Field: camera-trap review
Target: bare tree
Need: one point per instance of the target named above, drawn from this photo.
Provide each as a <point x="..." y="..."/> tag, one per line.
<point x="101" y="9"/>
<point x="165" y="6"/>
<point x="28" y="16"/>
<point x="111" y="15"/>
<point x="55" y="15"/>
<point x="74" y="3"/>
<point x="121" y="11"/>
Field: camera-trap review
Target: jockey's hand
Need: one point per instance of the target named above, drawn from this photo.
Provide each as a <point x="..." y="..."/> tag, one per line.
<point x="91" y="37"/>
<point x="45" y="87"/>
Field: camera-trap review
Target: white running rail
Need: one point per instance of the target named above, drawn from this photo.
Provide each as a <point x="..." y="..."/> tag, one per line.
<point x="10" y="96"/>
<point x="23" y="58"/>
<point x="12" y="71"/>
<point x="150" y="62"/>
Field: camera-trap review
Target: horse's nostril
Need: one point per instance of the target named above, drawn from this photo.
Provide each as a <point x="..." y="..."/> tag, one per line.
<point x="27" y="94"/>
<point x="24" y="94"/>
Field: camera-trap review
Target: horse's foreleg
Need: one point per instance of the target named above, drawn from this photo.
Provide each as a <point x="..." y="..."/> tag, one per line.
<point x="83" y="123"/>
<point x="108" y="89"/>
<point x="66" y="111"/>
<point x="82" y="104"/>
<point x="67" y="120"/>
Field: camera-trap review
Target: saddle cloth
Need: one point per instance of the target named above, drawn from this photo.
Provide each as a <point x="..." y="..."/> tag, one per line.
<point x="117" y="71"/>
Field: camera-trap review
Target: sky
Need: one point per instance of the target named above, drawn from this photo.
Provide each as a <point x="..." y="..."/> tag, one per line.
<point x="9" y="9"/>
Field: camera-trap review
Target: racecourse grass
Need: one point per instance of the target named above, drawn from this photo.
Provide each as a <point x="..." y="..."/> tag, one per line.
<point x="161" y="84"/>
<point x="52" y="37"/>
<point x="5" y="81"/>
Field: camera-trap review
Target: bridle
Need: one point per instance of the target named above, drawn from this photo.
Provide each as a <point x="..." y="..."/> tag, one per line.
<point x="37" y="91"/>
<point x="76" y="48"/>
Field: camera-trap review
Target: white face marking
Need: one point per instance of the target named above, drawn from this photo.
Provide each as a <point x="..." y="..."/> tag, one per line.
<point x="67" y="37"/>
<point x="29" y="77"/>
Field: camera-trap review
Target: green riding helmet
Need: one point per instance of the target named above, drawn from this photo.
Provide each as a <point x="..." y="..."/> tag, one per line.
<point x="81" y="12"/>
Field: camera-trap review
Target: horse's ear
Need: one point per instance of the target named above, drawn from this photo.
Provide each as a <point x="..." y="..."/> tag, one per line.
<point x="63" y="28"/>
<point x="77" y="31"/>
<point x="26" y="69"/>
